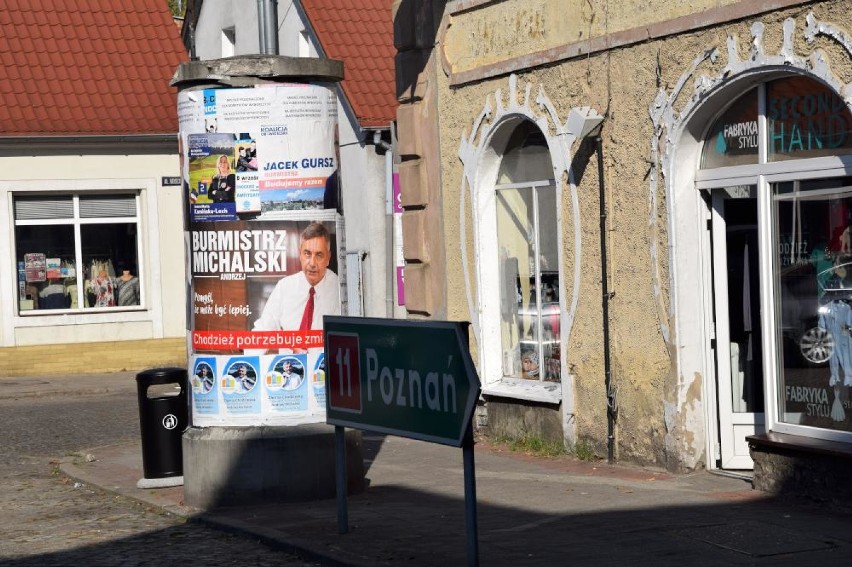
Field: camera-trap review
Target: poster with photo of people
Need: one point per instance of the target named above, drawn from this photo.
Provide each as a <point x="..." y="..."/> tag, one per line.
<point x="251" y="302"/>
<point x="259" y="168"/>
<point x="258" y="150"/>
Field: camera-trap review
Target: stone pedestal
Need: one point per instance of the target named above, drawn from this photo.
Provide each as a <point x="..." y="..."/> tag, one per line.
<point x="228" y="466"/>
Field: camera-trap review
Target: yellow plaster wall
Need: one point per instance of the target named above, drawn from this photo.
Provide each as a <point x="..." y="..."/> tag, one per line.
<point x="514" y="28"/>
<point x="659" y="419"/>
<point x="107" y="356"/>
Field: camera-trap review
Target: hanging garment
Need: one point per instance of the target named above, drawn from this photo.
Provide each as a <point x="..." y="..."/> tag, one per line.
<point x="836" y="318"/>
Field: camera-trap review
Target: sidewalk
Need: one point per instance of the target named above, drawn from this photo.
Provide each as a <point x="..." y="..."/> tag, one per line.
<point x="531" y="511"/>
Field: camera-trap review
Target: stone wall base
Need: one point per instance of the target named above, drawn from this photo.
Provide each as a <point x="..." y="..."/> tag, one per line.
<point x="229" y="466"/>
<point x="791" y="465"/>
<point x="519" y="419"/>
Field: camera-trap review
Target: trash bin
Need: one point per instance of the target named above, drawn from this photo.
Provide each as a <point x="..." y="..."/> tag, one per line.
<point x="163" y="416"/>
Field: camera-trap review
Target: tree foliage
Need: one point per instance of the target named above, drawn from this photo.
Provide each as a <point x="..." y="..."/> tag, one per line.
<point x="177" y="7"/>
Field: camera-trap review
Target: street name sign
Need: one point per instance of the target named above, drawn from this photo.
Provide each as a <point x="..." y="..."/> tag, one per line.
<point x="408" y="378"/>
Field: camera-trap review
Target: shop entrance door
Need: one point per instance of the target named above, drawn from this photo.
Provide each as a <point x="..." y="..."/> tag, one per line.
<point x="739" y="354"/>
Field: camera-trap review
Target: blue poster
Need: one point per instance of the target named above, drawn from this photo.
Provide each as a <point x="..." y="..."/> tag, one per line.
<point x="205" y="395"/>
<point x="287" y="384"/>
<point x="239" y="387"/>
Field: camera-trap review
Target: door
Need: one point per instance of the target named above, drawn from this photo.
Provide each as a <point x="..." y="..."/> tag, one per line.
<point x="739" y="354"/>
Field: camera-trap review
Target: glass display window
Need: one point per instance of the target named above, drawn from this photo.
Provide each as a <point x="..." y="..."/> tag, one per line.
<point x="813" y="228"/>
<point x="77" y="252"/>
<point x="527" y="241"/>
<point x="782" y="263"/>
<point x="804" y="119"/>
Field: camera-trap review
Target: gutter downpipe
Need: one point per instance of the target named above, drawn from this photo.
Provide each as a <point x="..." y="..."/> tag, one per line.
<point x="611" y="408"/>
<point x="261" y="26"/>
<point x="270" y="16"/>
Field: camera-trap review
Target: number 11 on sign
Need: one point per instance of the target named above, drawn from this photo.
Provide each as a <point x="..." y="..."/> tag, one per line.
<point x="344" y="386"/>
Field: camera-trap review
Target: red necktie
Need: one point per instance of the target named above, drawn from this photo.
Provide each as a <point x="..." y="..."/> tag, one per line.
<point x="308" y="315"/>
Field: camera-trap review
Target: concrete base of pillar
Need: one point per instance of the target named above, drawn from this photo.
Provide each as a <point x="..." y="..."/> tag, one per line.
<point x="228" y="466"/>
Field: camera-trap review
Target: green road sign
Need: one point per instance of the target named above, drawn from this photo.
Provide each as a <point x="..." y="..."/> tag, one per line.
<point x="408" y="378"/>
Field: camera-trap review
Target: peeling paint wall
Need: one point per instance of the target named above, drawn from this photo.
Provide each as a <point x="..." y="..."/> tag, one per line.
<point x="654" y="92"/>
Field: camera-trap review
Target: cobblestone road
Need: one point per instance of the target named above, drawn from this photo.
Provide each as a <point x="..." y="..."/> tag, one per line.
<point x="48" y="519"/>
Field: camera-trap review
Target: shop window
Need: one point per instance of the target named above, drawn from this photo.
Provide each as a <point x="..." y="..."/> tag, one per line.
<point x="813" y="221"/>
<point x="804" y="119"/>
<point x="733" y="139"/>
<point x="76" y="252"/>
<point x="527" y="243"/>
<point x="790" y="140"/>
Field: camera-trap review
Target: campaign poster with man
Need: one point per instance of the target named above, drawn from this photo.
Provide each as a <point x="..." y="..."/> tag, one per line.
<point x="260" y="289"/>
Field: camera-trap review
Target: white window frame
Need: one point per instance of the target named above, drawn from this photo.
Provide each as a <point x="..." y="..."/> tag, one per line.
<point x="229" y="41"/>
<point x="491" y="358"/>
<point x="303" y="47"/>
<point x="763" y="175"/>
<point x="76" y="221"/>
<point x="478" y="152"/>
<point x="148" y="255"/>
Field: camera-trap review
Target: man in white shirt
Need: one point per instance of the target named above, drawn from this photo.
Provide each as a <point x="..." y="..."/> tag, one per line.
<point x="288" y="307"/>
<point x="292" y="378"/>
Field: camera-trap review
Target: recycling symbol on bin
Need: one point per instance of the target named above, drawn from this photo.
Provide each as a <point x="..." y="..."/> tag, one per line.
<point x="170" y="421"/>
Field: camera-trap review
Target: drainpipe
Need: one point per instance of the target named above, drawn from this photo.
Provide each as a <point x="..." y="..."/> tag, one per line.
<point x="611" y="407"/>
<point x="271" y="27"/>
<point x="261" y="26"/>
<point x="267" y="26"/>
<point x="389" y="232"/>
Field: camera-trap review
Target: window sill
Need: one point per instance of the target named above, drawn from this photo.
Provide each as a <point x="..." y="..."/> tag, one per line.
<point x="800" y="444"/>
<point x="547" y="392"/>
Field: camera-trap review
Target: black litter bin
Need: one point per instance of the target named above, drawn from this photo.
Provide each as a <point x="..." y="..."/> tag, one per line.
<point x="163" y="416"/>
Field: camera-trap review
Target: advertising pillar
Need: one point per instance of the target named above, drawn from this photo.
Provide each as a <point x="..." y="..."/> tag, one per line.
<point x="264" y="242"/>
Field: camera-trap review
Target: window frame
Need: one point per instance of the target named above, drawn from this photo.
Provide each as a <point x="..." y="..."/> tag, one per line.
<point x="76" y="222"/>
<point x="763" y="175"/>
<point x="485" y="212"/>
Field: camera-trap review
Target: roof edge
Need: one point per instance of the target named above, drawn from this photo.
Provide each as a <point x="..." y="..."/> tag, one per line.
<point x="78" y="144"/>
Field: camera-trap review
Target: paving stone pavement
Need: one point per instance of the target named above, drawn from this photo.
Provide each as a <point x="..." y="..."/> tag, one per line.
<point x="49" y="519"/>
<point x="532" y="511"/>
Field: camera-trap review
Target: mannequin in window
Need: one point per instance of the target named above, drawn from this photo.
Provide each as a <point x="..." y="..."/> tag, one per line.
<point x="71" y="292"/>
<point x="103" y="288"/>
<point x="53" y="296"/>
<point x="127" y="287"/>
<point x="836" y="318"/>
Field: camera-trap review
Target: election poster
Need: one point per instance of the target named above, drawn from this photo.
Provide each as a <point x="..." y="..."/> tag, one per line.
<point x="260" y="289"/>
<point x="259" y="167"/>
<point x="263" y="150"/>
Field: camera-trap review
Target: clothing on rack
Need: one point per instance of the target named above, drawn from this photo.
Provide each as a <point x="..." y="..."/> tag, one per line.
<point x="836" y="318"/>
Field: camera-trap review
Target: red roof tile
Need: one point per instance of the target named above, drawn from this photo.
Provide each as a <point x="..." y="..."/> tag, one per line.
<point x="360" y="33"/>
<point x="68" y="55"/>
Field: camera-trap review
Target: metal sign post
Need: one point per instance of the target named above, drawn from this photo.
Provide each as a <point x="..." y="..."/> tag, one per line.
<point x="409" y="378"/>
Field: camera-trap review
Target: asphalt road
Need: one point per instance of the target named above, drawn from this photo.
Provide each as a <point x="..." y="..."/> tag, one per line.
<point x="48" y="519"/>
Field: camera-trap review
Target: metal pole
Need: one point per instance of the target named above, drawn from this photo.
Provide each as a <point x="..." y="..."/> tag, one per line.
<point x="261" y="26"/>
<point x="270" y="16"/>
<point x="340" y="461"/>
<point x="470" y="498"/>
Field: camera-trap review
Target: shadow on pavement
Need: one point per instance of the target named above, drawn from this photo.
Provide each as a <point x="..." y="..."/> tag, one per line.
<point x="531" y="511"/>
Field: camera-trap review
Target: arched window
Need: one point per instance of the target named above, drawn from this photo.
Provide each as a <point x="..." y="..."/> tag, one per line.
<point x="804" y="119"/>
<point x="528" y="258"/>
<point x="776" y="165"/>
